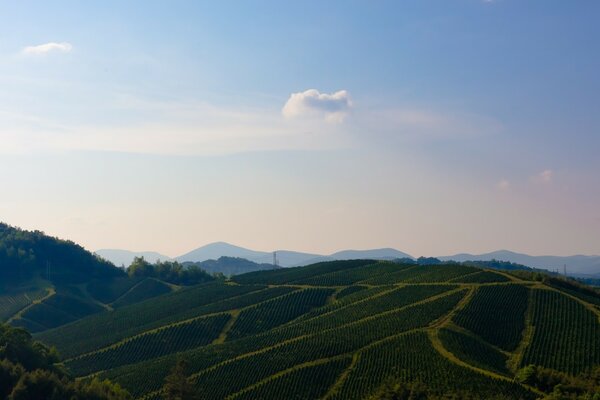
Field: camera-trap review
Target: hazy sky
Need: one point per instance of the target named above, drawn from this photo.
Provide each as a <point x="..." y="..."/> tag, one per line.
<point x="434" y="127"/>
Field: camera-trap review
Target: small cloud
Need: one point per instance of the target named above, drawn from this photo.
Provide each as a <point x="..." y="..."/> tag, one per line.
<point x="333" y="107"/>
<point x="46" y="48"/>
<point x="503" y="185"/>
<point x="545" y="176"/>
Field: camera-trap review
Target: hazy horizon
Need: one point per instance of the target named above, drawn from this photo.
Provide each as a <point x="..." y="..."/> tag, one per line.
<point x="432" y="127"/>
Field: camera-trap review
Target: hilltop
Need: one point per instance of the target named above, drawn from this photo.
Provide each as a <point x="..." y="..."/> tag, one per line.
<point x="29" y="255"/>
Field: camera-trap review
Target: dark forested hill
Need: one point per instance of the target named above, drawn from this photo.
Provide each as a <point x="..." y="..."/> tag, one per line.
<point x="230" y="266"/>
<point x="47" y="282"/>
<point x="351" y="330"/>
<point x="25" y="255"/>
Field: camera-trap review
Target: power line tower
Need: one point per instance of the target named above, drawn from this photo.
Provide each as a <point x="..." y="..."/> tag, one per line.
<point x="275" y="261"/>
<point x="565" y="269"/>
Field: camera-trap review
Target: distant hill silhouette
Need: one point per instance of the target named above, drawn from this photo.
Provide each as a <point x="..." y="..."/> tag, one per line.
<point x="125" y="257"/>
<point x="231" y="266"/>
<point x="579" y="265"/>
<point x="576" y="265"/>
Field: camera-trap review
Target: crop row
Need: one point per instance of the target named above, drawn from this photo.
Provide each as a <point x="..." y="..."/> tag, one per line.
<point x="107" y="291"/>
<point x="422" y="274"/>
<point x="172" y="339"/>
<point x="473" y="351"/>
<point x="11" y="304"/>
<point x="278" y="311"/>
<point x="113" y="326"/>
<point x="411" y="358"/>
<point x="288" y="275"/>
<point x="349" y="277"/>
<point x="146" y="289"/>
<point x="496" y="314"/>
<point x="392" y="300"/>
<point x="229" y="375"/>
<point x="348" y="291"/>
<point x="565" y="334"/>
<point x="481" y="277"/>
<point x="308" y="382"/>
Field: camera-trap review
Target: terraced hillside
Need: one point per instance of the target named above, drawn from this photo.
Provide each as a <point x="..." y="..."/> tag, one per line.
<point x="340" y="330"/>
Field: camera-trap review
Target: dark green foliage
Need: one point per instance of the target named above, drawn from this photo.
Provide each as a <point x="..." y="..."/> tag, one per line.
<point x="287" y="275"/>
<point x="107" y="291"/>
<point x="28" y="372"/>
<point x="422" y="274"/>
<point x="473" y="351"/>
<point x="561" y="385"/>
<point x="177" y="385"/>
<point x="172" y="339"/>
<point x="351" y="276"/>
<point x="410" y="358"/>
<point x="497" y="264"/>
<point x="278" y="311"/>
<point x="482" y="277"/>
<point x="428" y="261"/>
<point x="394" y="390"/>
<point x="17" y="347"/>
<point x="496" y="314"/>
<point x="307" y="382"/>
<point x="168" y="271"/>
<point x="41" y="384"/>
<point x="348" y="291"/>
<point x="565" y="334"/>
<point x="229" y="266"/>
<point x="25" y="255"/>
<point x="119" y="324"/>
<point x="146" y="289"/>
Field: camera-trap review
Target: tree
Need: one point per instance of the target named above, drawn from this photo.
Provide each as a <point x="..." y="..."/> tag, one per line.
<point x="177" y="384"/>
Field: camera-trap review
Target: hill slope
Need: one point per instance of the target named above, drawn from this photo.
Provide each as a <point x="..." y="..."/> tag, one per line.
<point x="46" y="282"/>
<point x="343" y="330"/>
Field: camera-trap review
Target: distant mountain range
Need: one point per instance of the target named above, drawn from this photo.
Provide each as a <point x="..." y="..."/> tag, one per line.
<point x="578" y="265"/>
<point x="575" y="265"/>
<point x="285" y="258"/>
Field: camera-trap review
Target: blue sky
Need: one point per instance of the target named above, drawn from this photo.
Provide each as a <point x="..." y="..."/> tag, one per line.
<point x="430" y="126"/>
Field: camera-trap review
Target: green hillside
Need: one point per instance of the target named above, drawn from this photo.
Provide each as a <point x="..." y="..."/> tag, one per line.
<point x="346" y="330"/>
<point x="46" y="282"/>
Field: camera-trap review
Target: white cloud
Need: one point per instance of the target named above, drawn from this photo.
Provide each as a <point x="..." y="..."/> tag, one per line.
<point x="545" y="176"/>
<point x="129" y="123"/>
<point x="503" y="185"/>
<point x="45" y="48"/>
<point x="311" y="103"/>
<point x="167" y="127"/>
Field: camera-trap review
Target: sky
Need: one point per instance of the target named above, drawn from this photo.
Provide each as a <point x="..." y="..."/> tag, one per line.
<point x="431" y="126"/>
